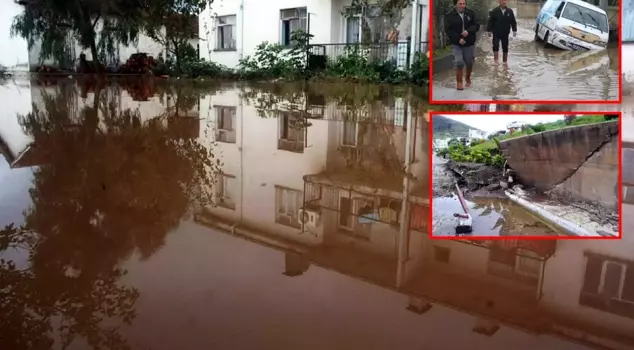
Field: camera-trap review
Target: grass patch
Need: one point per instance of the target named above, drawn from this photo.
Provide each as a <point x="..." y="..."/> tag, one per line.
<point x="441" y="52"/>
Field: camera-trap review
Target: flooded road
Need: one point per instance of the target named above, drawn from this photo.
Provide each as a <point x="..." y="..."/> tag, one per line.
<point x="491" y="216"/>
<point x="148" y="216"/>
<point x="534" y="73"/>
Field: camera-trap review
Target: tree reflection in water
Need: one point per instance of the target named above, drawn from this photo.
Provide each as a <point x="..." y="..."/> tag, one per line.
<point x="105" y="186"/>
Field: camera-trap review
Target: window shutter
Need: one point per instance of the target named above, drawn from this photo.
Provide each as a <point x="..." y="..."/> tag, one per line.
<point x="592" y="278"/>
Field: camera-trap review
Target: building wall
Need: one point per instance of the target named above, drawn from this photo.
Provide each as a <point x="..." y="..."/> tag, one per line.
<point x="627" y="52"/>
<point x="326" y="24"/>
<point x="259" y="166"/>
<point x="565" y="271"/>
<point x="143" y="44"/>
<point x="265" y="16"/>
<point x="16" y="100"/>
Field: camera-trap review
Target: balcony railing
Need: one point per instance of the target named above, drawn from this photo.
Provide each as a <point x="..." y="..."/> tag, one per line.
<point x="322" y="55"/>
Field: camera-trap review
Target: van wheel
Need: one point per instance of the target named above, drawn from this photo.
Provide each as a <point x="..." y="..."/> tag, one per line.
<point x="546" y="44"/>
<point x="537" y="39"/>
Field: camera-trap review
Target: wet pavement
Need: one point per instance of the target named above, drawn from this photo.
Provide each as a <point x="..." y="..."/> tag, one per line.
<point x="534" y="73"/>
<point x="160" y="216"/>
<point x="492" y="216"/>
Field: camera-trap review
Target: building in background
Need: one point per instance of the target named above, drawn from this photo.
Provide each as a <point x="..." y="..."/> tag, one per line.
<point x="228" y="36"/>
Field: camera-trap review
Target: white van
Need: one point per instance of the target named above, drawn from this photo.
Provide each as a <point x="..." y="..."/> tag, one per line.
<point x="572" y="25"/>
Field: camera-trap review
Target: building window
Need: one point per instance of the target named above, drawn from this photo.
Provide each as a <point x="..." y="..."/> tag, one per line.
<point x="226" y="28"/>
<point x="349" y="138"/>
<point x="516" y="264"/>
<point x="442" y="254"/>
<point x="225" y="124"/>
<point x="376" y="26"/>
<point x="226" y="191"/>
<point x="287" y="205"/>
<point x="608" y="285"/>
<point x="292" y="20"/>
<point x="292" y="133"/>
<point x="349" y="209"/>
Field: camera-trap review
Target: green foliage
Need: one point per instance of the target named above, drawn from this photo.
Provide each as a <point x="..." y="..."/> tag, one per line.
<point x="476" y="142"/>
<point x="538" y="127"/>
<point x="276" y="61"/>
<point x="458" y="152"/>
<point x="53" y="21"/>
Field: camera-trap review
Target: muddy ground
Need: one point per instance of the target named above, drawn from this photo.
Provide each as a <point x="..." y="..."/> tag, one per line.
<point x="479" y="180"/>
<point x="474" y="179"/>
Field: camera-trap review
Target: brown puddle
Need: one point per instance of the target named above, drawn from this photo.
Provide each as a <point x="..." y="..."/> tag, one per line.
<point x="534" y="72"/>
<point x="176" y="224"/>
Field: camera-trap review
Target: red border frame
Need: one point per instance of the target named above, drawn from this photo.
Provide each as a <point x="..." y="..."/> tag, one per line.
<point x="543" y="102"/>
<point x="430" y="223"/>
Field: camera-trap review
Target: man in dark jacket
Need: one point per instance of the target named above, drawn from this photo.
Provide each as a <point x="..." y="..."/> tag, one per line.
<point x="501" y="21"/>
<point x="461" y="27"/>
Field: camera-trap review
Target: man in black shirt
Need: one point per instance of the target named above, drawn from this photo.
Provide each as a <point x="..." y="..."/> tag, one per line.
<point x="461" y="27"/>
<point x="501" y="21"/>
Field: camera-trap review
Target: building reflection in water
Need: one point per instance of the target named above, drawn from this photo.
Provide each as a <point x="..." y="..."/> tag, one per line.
<point x="330" y="179"/>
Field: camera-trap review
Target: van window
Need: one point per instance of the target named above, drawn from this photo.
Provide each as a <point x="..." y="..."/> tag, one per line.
<point x="586" y="16"/>
<point x="627" y="22"/>
<point x="559" y="8"/>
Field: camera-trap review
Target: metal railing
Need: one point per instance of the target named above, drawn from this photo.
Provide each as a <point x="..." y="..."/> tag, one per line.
<point x="331" y="54"/>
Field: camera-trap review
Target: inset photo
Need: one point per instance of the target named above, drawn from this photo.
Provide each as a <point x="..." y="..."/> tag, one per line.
<point x="529" y="51"/>
<point x="525" y="174"/>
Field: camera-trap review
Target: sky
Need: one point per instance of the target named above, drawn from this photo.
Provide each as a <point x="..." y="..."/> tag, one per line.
<point x="13" y="50"/>
<point x="495" y="122"/>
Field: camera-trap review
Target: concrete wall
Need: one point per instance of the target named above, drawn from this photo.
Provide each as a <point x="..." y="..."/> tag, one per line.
<point x="550" y="158"/>
<point x="595" y="179"/>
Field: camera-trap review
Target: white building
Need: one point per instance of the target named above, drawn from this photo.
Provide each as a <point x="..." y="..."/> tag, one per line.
<point x="477" y="134"/>
<point x="232" y="29"/>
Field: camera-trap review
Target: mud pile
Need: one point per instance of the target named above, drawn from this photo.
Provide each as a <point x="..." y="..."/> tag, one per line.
<point x="477" y="179"/>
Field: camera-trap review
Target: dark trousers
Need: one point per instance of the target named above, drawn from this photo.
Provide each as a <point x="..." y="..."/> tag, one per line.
<point x="505" y="43"/>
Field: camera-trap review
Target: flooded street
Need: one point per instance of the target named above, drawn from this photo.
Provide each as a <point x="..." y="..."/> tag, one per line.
<point x="152" y="215"/>
<point x="534" y="73"/>
<point x="492" y="216"/>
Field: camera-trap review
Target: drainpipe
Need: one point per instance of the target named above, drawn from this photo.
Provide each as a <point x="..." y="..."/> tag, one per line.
<point x="403" y="235"/>
<point x="414" y="34"/>
<point x="241" y="159"/>
<point x="241" y="29"/>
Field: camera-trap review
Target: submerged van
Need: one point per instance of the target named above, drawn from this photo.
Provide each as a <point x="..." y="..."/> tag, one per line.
<point x="572" y="25"/>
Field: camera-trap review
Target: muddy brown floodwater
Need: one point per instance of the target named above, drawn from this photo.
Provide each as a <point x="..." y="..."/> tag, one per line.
<point x="534" y="72"/>
<point x="146" y="215"/>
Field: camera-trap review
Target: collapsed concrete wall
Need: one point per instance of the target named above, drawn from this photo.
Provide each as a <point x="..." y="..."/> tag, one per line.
<point x="596" y="179"/>
<point x="579" y="161"/>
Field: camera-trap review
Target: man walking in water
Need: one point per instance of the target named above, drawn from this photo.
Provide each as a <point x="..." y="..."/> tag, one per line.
<point x="461" y="27"/>
<point x="501" y="21"/>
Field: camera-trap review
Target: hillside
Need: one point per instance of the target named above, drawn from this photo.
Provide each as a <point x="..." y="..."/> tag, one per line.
<point x="445" y="127"/>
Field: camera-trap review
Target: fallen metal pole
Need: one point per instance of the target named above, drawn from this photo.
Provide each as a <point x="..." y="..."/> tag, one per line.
<point x="465" y="222"/>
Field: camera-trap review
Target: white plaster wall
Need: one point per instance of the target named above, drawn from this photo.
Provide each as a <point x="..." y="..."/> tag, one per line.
<point x="15" y="100"/>
<point x="258" y="166"/>
<point x="261" y="21"/>
<point x="564" y="275"/>
<point x="463" y="257"/>
<point x="627" y="64"/>
<point x="143" y="44"/>
<point x="326" y="24"/>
